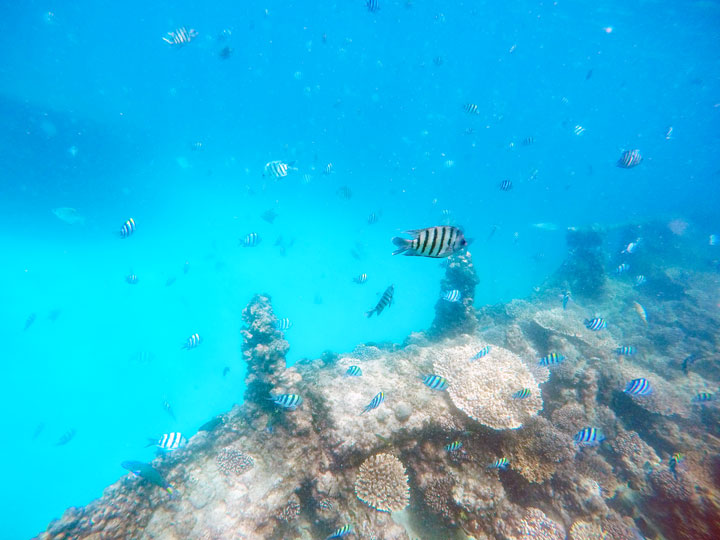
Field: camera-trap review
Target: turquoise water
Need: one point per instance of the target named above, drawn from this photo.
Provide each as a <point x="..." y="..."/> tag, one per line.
<point x="101" y="115"/>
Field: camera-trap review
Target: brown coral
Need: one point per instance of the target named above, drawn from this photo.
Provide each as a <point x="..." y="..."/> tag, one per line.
<point x="231" y="461"/>
<point x="535" y="525"/>
<point x="582" y="530"/>
<point x="382" y="483"/>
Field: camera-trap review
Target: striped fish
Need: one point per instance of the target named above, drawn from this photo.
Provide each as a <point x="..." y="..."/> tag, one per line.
<point x="433" y="242"/>
<point x="481" y="353"/>
<point x="132" y="279"/>
<point x="589" y="436"/>
<point x="703" y="397"/>
<point x="455" y="445"/>
<point x="638" y="387"/>
<point x="283" y="324"/>
<point x="452" y="296"/>
<point x="714" y="240"/>
<point x="278" y="169"/>
<point x="251" y="240"/>
<point x="169" y="441"/>
<point x="506" y="185"/>
<point x="578" y="130"/>
<point x="373" y="218"/>
<point x="341" y="532"/>
<point x="551" y="359"/>
<point x="372" y="5"/>
<point x="354" y="371"/>
<point x="625" y="350"/>
<point x="375" y="403"/>
<point x="385" y="301"/>
<point x="128" y="228"/>
<point x="436" y="382"/>
<point x="328" y="168"/>
<point x="500" y="463"/>
<point x="595" y="324"/>
<point x="192" y="342"/>
<point x="527" y="141"/>
<point x="640" y="279"/>
<point x="624" y="267"/>
<point x="362" y="278"/>
<point x="629" y="159"/>
<point x="344" y="192"/>
<point x="471" y="108"/>
<point x="287" y="401"/>
<point x="676" y="459"/>
<point x="181" y="36"/>
<point x="522" y="394"/>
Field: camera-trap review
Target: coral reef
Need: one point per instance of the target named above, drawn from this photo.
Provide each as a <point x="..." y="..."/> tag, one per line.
<point x="383" y="484"/>
<point x="535" y="525"/>
<point x="453" y="318"/>
<point x="231" y="461"/>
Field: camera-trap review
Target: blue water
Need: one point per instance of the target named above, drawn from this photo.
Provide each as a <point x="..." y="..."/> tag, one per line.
<point x="99" y="114"/>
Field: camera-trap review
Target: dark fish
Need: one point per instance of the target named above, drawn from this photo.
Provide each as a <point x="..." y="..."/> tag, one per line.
<point x="29" y="321"/>
<point x="354" y="371"/>
<point x="506" y="185"/>
<point x="210" y="425"/>
<point x="287" y="401"/>
<point x="550" y="359"/>
<point x="362" y="278"/>
<point x="492" y="232"/>
<point x="471" y="108"/>
<point x="385" y="301"/>
<point x="169" y="441"/>
<point x="269" y="215"/>
<point x="588" y="74"/>
<point x="589" y="436"/>
<point x="225" y="53"/>
<point x="436" y="382"/>
<point x="527" y="141"/>
<point x="638" y="387"/>
<point x="181" y="36"/>
<point x="147" y="472"/>
<point x="625" y="350"/>
<point x="128" y="228"/>
<point x="341" y="532"/>
<point x="170" y="281"/>
<point x="226" y="370"/>
<point x="522" y="394"/>
<point x="375" y="403"/>
<point x="595" y="324"/>
<point x="251" y="240"/>
<point x="433" y="242"/>
<point x="629" y="159"/>
<point x="687" y="362"/>
<point x="192" y="342"/>
<point x="455" y="445"/>
<point x="66" y="437"/>
<point x="500" y="463"/>
<point x="132" y="279"/>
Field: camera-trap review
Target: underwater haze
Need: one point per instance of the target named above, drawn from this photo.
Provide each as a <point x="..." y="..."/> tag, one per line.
<point x="278" y="148"/>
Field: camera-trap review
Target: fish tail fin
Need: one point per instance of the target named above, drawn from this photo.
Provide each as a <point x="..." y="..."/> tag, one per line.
<point x="369" y="314"/>
<point x="150" y="442"/>
<point x="403" y="244"/>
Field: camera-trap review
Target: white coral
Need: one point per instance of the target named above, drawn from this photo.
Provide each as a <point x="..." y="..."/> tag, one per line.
<point x="483" y="389"/>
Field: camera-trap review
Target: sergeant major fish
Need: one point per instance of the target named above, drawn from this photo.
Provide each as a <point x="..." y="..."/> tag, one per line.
<point x="181" y="36"/>
<point x="455" y="445"/>
<point x="433" y="242"/>
<point x="629" y="159"/>
<point x="500" y="464"/>
<point x="385" y="301"/>
<point x="287" y="401"/>
<point x="589" y="436"/>
<point x="128" y="228"/>
<point x="375" y="402"/>
<point x="340" y="533"/>
<point x="638" y="387"/>
<point x="595" y="324"/>
<point x="169" y="441"/>
<point x="192" y="342"/>
<point x="453" y="296"/>
<point x="283" y="324"/>
<point x="436" y="382"/>
<point x="362" y="278"/>
<point x="278" y="169"/>
<point x="481" y="353"/>
<point x="625" y="350"/>
<point x="551" y="359"/>
<point x="251" y="240"/>
<point x="522" y="394"/>
<point x="353" y="371"/>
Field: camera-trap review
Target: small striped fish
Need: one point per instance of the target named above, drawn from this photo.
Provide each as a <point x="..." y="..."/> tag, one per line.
<point x="169" y="441"/>
<point x="373" y="218"/>
<point x="452" y="296"/>
<point x="181" y="36"/>
<point x="595" y="324"/>
<point x="550" y="359"/>
<point x="344" y="192"/>
<point x="640" y="279"/>
<point x="624" y="267"/>
<point x="589" y="436"/>
<point x="283" y="324"/>
<point x="629" y="159"/>
<point x="436" y="382"/>
<point x="375" y="403"/>
<point x="714" y="240"/>
<point x="506" y="185"/>
<point x="192" y="342"/>
<point x="251" y="240"/>
<point x="385" y="301"/>
<point x="354" y="371"/>
<point x="433" y="242"/>
<point x="500" y="463"/>
<point x="128" y="228"/>
<point x="578" y="129"/>
<point x="372" y="5"/>
<point x="676" y="459"/>
<point x="278" y="169"/>
<point x="132" y="279"/>
<point x="341" y="532"/>
<point x="362" y="278"/>
<point x="481" y="353"/>
<point x="455" y="445"/>
<point x="471" y="108"/>
<point x="703" y="397"/>
<point x="626" y="350"/>
<point x="522" y="394"/>
<point x="527" y="141"/>
<point x="287" y="401"/>
<point x="328" y="168"/>
<point x="638" y="387"/>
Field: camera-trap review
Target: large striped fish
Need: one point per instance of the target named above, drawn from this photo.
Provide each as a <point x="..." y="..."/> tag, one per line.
<point x="384" y="302"/>
<point x="169" y="441"/>
<point x="431" y="242"/>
